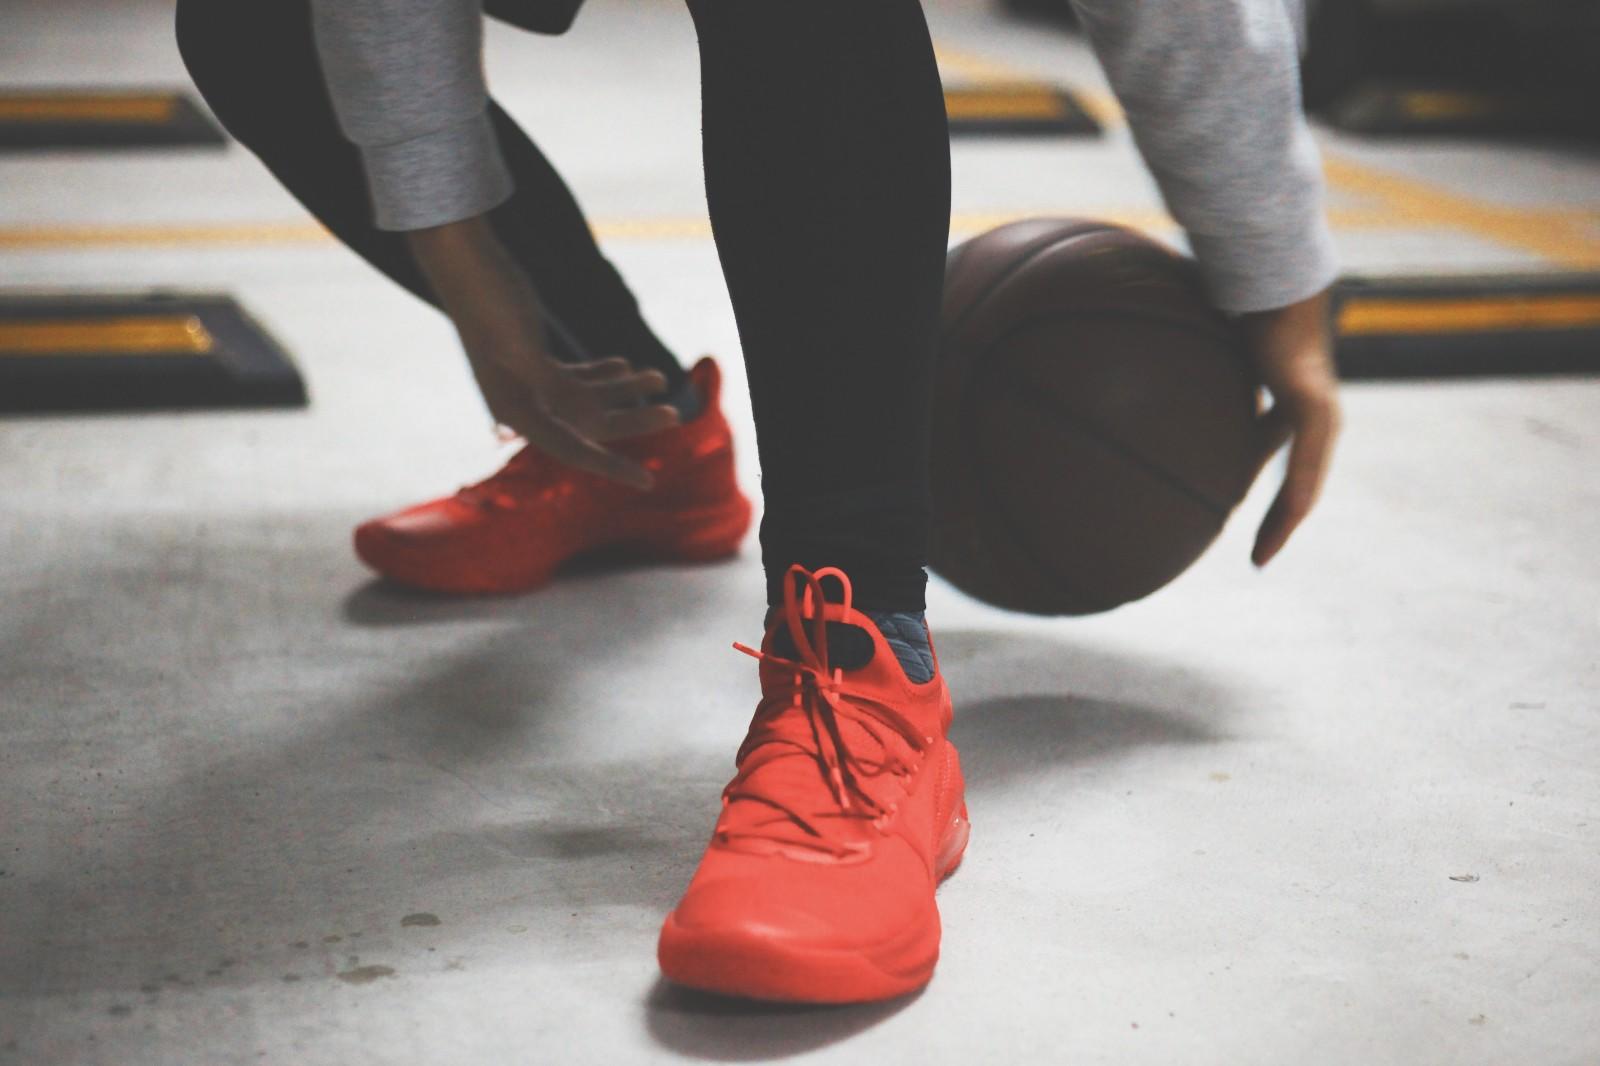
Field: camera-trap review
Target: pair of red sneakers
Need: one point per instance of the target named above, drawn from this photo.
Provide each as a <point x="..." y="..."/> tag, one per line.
<point x="847" y="808"/>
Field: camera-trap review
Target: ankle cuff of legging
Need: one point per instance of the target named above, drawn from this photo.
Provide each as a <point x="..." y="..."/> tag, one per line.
<point x="874" y="584"/>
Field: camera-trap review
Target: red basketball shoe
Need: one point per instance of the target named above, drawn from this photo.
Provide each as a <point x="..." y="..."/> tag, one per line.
<point x="846" y="812"/>
<point x="510" y="532"/>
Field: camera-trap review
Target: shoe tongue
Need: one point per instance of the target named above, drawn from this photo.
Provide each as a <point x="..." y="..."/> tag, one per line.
<point x="849" y="646"/>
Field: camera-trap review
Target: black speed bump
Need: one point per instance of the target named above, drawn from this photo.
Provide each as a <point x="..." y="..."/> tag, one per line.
<point x="1016" y="108"/>
<point x="78" y="353"/>
<point x="102" y="119"/>
<point x="1483" y="325"/>
<point x="1416" y="111"/>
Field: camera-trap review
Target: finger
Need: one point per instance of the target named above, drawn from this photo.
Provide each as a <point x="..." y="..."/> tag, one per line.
<point x="600" y="369"/>
<point x="637" y="421"/>
<point x="1309" y="457"/>
<point x="629" y="391"/>
<point x="561" y="441"/>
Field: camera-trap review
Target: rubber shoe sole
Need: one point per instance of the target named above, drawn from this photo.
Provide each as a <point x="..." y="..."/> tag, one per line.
<point x="686" y="536"/>
<point x="751" y="967"/>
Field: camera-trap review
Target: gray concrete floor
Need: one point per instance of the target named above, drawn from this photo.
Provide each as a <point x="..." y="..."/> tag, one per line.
<point x="1345" y="811"/>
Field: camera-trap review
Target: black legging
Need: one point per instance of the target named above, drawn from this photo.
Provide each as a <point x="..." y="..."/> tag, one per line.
<point x="828" y="181"/>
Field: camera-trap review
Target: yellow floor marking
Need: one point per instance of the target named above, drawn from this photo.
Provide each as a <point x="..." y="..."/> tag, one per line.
<point x="1451" y="105"/>
<point x="86" y="107"/>
<point x="998" y="102"/>
<point x="177" y="335"/>
<point x="652" y="229"/>
<point x="1388" y="315"/>
<point x="978" y="71"/>
<point x="1566" y="237"/>
<point x="972" y="67"/>
<point x="297" y="232"/>
<point x="615" y="229"/>
<point x="1101" y="106"/>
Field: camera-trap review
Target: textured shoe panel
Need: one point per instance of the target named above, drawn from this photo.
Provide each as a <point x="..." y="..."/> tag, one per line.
<point x="906" y="635"/>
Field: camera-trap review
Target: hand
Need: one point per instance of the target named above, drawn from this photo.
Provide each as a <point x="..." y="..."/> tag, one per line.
<point x="1293" y="352"/>
<point x="563" y="409"/>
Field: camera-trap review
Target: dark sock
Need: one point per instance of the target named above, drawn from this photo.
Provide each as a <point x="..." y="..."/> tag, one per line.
<point x="850" y="648"/>
<point x="687" y="399"/>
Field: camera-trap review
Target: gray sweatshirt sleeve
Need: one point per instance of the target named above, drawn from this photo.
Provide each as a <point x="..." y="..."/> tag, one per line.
<point x="1212" y="93"/>
<point x="406" y="79"/>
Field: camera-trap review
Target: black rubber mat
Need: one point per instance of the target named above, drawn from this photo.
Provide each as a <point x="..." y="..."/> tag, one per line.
<point x="1017" y="109"/>
<point x="1487" y="325"/>
<point x="68" y="352"/>
<point x="1420" y="111"/>
<point x="41" y="119"/>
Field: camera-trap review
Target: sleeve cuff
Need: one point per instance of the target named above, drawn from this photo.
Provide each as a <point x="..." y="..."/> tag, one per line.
<point x="443" y="176"/>
<point x="1262" y="271"/>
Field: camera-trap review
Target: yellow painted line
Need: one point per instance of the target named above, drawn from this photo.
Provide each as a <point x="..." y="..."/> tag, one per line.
<point x="974" y="67"/>
<point x="979" y="70"/>
<point x="86" y="107"/>
<point x="967" y="223"/>
<point x="1004" y="103"/>
<point x="1568" y="238"/>
<point x="1438" y="106"/>
<point x="172" y="335"/>
<point x="1102" y="106"/>
<point x="652" y="229"/>
<point x="617" y="229"/>
<point x="159" y="234"/>
<point x="1478" y="314"/>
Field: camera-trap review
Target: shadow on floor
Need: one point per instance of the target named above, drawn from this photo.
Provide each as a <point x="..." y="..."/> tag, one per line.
<point x="1006" y="737"/>
<point x="325" y="773"/>
<point x="718" y="1029"/>
<point x="380" y="602"/>
<point x="1028" y="704"/>
<point x="309" y="783"/>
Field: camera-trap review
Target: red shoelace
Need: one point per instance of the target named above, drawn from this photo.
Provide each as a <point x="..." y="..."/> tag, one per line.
<point x="807" y="721"/>
<point x="508" y="487"/>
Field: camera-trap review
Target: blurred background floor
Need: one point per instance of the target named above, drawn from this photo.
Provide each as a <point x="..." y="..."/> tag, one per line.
<point x="255" y="807"/>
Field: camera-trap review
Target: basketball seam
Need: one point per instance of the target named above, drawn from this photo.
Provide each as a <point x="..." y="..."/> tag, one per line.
<point x="994" y="286"/>
<point x="1168" y="478"/>
<point x="1087" y="428"/>
<point x="1019" y="543"/>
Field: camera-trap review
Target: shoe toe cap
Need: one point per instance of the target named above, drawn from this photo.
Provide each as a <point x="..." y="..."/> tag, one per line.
<point x="758" y="910"/>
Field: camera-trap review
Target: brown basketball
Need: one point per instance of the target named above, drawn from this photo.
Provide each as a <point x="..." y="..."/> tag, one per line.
<point x="1094" y="418"/>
